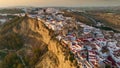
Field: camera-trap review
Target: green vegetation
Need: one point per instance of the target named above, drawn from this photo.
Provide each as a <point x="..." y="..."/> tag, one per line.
<point x="2" y="55"/>
<point x="11" y="41"/>
<point x="71" y="58"/>
<point x="12" y="61"/>
<point x="108" y="29"/>
<point x="108" y="66"/>
<point x="11" y="16"/>
<point x="12" y="11"/>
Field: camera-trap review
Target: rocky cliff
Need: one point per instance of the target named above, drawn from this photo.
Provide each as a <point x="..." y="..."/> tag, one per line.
<point x="39" y="43"/>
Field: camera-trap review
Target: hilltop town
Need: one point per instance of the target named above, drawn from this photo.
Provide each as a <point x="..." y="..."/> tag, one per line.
<point x="91" y="46"/>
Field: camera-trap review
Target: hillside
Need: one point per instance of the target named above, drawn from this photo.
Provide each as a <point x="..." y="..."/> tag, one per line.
<point x="109" y="19"/>
<point x="78" y="16"/>
<point x="27" y="42"/>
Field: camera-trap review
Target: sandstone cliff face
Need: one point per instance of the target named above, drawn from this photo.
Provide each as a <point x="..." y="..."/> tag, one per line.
<point x="55" y="56"/>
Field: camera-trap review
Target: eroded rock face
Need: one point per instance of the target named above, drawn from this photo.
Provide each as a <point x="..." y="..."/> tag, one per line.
<point x="35" y="33"/>
<point x="54" y="57"/>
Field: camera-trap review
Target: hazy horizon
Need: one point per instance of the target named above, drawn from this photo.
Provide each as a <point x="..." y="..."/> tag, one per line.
<point x="60" y="3"/>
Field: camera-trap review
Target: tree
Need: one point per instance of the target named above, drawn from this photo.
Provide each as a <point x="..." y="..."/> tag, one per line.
<point x="11" y="41"/>
<point x="11" y="61"/>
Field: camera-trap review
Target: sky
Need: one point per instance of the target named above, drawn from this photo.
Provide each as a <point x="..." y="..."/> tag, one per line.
<point x="57" y="3"/>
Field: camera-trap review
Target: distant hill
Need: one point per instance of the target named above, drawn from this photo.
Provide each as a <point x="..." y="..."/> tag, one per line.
<point x="12" y="11"/>
<point x="109" y="19"/>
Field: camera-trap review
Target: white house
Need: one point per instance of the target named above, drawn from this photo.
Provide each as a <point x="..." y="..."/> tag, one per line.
<point x="3" y="20"/>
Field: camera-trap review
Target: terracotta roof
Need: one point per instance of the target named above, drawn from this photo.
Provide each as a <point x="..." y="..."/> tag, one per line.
<point x="112" y="61"/>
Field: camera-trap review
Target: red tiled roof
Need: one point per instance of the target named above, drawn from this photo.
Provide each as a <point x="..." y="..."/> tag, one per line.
<point x="111" y="59"/>
<point x="101" y="39"/>
<point x="93" y="62"/>
<point x="78" y="40"/>
<point x="107" y="62"/>
<point x="117" y="50"/>
<point x="83" y="56"/>
<point x="92" y="55"/>
<point x="118" y="63"/>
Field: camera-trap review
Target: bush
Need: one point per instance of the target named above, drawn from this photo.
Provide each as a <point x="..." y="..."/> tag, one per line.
<point x="11" y="41"/>
<point x="11" y="61"/>
<point x="71" y="58"/>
